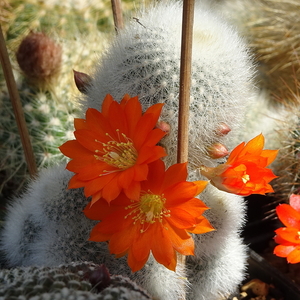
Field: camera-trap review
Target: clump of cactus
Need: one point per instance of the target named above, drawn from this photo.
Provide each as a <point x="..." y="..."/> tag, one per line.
<point x="72" y="33"/>
<point x="145" y="58"/>
<point x="84" y="280"/>
<point x="273" y="35"/>
<point x="45" y="226"/>
<point x="272" y="29"/>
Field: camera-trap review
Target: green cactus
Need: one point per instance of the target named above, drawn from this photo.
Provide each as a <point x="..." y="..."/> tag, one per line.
<point x="81" y="30"/>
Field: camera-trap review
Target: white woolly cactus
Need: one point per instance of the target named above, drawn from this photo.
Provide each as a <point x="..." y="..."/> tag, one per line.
<point x="144" y="60"/>
<point x="46" y="225"/>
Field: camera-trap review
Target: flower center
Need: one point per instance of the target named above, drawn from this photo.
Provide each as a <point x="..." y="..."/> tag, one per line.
<point x="245" y="178"/>
<point x="149" y="209"/>
<point x="120" y="154"/>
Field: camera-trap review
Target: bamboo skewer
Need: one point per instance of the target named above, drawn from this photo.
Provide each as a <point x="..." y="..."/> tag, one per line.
<point x="117" y="14"/>
<point x="185" y="80"/>
<point x="17" y="106"/>
<point x="184" y="87"/>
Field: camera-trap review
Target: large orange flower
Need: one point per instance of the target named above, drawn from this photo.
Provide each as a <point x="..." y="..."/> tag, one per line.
<point x="288" y="237"/>
<point x="245" y="171"/>
<point x="113" y="148"/>
<point x="159" y="222"/>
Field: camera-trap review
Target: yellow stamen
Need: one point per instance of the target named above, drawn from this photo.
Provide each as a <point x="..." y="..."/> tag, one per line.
<point x="245" y="178"/>
<point x="120" y="154"/>
<point x="149" y="209"/>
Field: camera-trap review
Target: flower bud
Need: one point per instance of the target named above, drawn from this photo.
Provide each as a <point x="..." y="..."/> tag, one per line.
<point x="164" y="126"/>
<point x="82" y="81"/>
<point x="223" y="129"/>
<point x="217" y="150"/>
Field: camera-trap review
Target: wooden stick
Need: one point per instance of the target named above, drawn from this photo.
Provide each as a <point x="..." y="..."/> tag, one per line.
<point x="184" y="87"/>
<point x="17" y="106"/>
<point x="117" y="13"/>
<point x="185" y="80"/>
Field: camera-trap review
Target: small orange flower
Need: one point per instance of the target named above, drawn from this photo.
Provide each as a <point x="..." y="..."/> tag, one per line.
<point x="288" y="237"/>
<point x="160" y="221"/>
<point x="113" y="148"/>
<point x="245" y="171"/>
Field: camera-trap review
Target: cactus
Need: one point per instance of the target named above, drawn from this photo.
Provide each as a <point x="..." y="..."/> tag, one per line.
<point x="74" y="280"/>
<point x="272" y="30"/>
<point x="45" y="226"/>
<point x="50" y="104"/>
<point x="144" y="60"/>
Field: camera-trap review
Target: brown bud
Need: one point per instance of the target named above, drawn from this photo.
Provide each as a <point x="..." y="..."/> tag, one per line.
<point x="39" y="57"/>
<point x="258" y="287"/>
<point x="99" y="278"/>
<point x="164" y="126"/>
<point x="217" y="150"/>
<point x="82" y="81"/>
<point x="223" y="129"/>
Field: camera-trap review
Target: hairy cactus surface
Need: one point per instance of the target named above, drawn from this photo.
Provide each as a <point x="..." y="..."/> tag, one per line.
<point x="144" y="60"/>
<point x="45" y="226"/>
<point x="71" y="32"/>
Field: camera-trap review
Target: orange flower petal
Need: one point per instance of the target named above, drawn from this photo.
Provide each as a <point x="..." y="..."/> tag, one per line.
<point x="288" y="216"/>
<point x="133" y="112"/>
<point x="182" y="242"/>
<point x="270" y="155"/>
<point x="108" y="100"/>
<point x="202" y="227"/>
<point x="133" y="191"/>
<point x="80" y="124"/>
<point x="163" y="251"/>
<point x="201" y="185"/>
<point x="283" y="251"/>
<point x="145" y="124"/>
<point x="97" y="123"/>
<point x="111" y="191"/>
<point x="180" y="193"/>
<point x="181" y="218"/>
<point x="73" y="149"/>
<point x="134" y="264"/>
<point x="294" y="256"/>
<point x="117" y="118"/>
<point x="295" y="202"/>
<point x="175" y="174"/>
<point x="118" y="143"/>
<point x="289" y="234"/>
<point x="254" y="146"/>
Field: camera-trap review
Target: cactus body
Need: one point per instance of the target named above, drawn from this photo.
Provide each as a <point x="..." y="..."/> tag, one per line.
<point x="46" y="225"/>
<point x="69" y="281"/>
<point x="144" y="60"/>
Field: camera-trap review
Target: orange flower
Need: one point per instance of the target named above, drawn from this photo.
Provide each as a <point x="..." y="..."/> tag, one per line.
<point x="113" y="148"/>
<point x="160" y="221"/>
<point x="288" y="237"/>
<point x="245" y="171"/>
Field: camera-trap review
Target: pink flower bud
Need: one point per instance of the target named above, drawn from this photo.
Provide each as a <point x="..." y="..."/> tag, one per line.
<point x="164" y="126"/>
<point x="223" y="129"/>
<point x="217" y="150"/>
